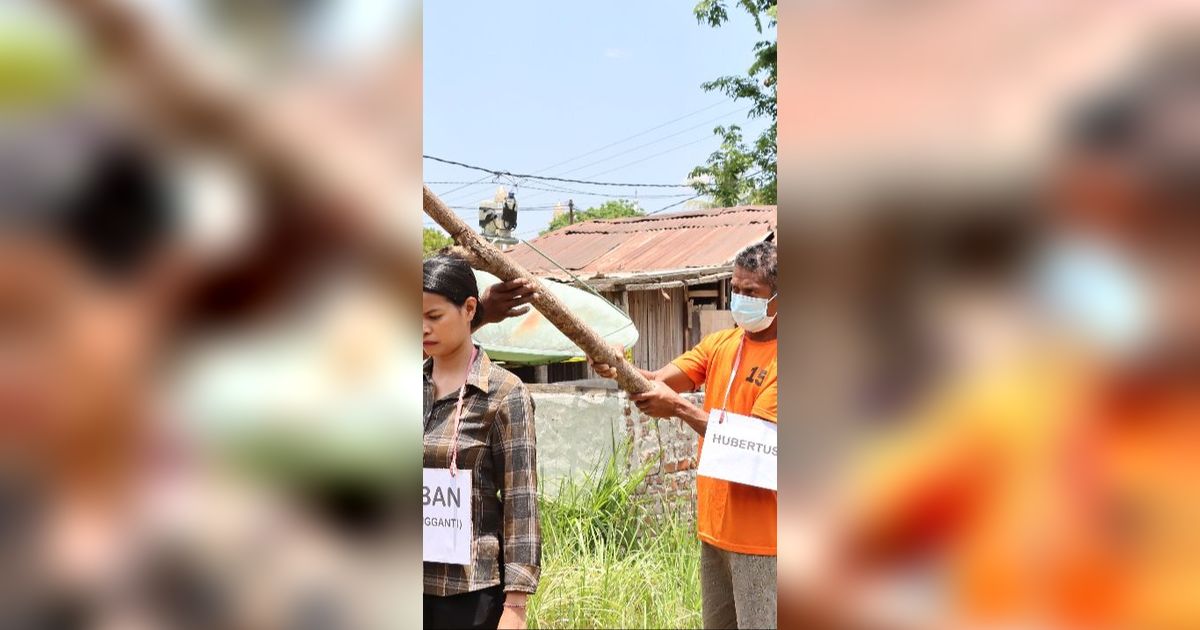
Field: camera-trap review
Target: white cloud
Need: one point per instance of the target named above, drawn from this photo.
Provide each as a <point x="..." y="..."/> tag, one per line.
<point x="617" y="53"/>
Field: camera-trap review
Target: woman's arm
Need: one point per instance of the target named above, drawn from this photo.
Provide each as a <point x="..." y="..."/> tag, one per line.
<point x="514" y="616"/>
<point x="515" y="455"/>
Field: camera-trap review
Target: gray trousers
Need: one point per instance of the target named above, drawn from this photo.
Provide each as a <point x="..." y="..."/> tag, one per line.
<point x="738" y="589"/>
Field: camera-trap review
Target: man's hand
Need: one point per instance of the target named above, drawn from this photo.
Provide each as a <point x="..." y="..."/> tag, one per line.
<point x="660" y="402"/>
<point x="605" y="370"/>
<point x="513" y="616"/>
<point x="506" y="299"/>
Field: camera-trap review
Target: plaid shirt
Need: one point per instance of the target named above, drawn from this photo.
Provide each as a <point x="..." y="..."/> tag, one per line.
<point x="496" y="443"/>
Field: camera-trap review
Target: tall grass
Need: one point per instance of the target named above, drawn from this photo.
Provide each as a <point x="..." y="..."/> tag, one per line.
<point x="608" y="563"/>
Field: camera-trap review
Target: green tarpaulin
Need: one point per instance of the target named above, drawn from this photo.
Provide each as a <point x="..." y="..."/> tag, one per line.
<point x="531" y="340"/>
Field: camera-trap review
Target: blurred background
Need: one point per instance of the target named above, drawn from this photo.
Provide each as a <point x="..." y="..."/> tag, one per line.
<point x="987" y="240"/>
<point x="989" y="214"/>
<point x="207" y="210"/>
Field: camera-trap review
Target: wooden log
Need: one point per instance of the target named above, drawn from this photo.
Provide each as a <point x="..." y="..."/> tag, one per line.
<point x="484" y="256"/>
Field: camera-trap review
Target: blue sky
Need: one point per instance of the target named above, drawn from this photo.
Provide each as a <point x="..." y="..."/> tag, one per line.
<point x="526" y="86"/>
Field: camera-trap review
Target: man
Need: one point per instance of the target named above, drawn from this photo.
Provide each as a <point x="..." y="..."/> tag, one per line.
<point x="1059" y="492"/>
<point x="737" y="368"/>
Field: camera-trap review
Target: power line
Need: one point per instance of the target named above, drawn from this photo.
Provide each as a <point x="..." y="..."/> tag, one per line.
<point x="559" y="189"/>
<point x="651" y="143"/>
<point x="536" y="175"/>
<point x="660" y="210"/>
<point x="473" y="193"/>
<point x="483" y="181"/>
<point x="546" y="180"/>
<point x="575" y="191"/>
<point x="651" y="157"/>
<point x="467" y="185"/>
<point x="519" y="208"/>
<point x="528" y="232"/>
<point x="630" y="196"/>
<point x="537" y="230"/>
<point x="636" y="135"/>
<point x="496" y="173"/>
<point x="499" y="173"/>
<point x="656" y="141"/>
<point x="668" y="207"/>
<point x="451" y="183"/>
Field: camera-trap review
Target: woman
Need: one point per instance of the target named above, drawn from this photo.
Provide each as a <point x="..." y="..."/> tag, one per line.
<point x="479" y="423"/>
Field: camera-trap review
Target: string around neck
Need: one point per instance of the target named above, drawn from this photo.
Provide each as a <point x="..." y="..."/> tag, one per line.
<point x="458" y="414"/>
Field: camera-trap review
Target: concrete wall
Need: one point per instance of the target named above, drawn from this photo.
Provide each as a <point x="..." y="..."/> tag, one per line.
<point x="577" y="429"/>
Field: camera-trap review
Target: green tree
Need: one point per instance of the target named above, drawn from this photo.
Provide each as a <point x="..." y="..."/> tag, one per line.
<point x="613" y="209"/>
<point x="740" y="172"/>
<point x="433" y="240"/>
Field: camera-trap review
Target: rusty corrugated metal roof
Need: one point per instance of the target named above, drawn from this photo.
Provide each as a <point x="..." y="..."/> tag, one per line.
<point x="643" y="245"/>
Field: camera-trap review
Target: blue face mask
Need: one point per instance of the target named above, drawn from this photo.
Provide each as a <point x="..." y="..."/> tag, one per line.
<point x="750" y="312"/>
<point x="1092" y="289"/>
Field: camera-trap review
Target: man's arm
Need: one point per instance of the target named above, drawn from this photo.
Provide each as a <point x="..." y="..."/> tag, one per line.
<point x="664" y="400"/>
<point x="673" y="377"/>
<point x="669" y="374"/>
<point x="505" y="299"/>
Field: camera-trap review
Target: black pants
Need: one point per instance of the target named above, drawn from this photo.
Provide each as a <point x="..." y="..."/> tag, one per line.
<point x="477" y="609"/>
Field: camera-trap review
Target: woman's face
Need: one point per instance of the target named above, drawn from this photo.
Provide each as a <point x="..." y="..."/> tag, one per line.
<point x="76" y="353"/>
<point x="445" y="327"/>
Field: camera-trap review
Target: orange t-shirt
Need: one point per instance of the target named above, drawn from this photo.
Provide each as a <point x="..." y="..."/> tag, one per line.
<point x="1047" y="462"/>
<point x="733" y="516"/>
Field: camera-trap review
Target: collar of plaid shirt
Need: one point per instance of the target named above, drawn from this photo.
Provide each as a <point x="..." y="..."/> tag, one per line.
<point x="477" y="375"/>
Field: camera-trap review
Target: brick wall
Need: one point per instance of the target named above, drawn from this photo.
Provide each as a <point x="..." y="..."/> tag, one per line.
<point x="669" y="447"/>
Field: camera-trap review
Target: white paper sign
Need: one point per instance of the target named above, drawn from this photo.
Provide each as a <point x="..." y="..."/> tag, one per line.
<point x="742" y="449"/>
<point x="446" y="502"/>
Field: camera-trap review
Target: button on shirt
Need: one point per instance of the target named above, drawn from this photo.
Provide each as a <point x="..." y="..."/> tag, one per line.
<point x="496" y="443"/>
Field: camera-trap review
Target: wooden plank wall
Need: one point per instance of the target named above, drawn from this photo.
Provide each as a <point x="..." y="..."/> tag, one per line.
<point x="661" y="317"/>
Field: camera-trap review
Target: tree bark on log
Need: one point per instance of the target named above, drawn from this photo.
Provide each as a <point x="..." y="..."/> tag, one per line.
<point x="484" y="256"/>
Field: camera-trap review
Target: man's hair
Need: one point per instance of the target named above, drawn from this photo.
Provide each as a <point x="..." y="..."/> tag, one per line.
<point x="1122" y="120"/>
<point x="760" y="258"/>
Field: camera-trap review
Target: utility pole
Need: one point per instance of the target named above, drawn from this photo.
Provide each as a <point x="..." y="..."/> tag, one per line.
<point x="571" y="211"/>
